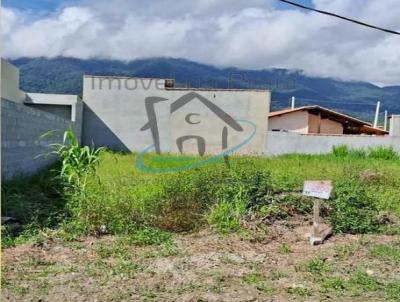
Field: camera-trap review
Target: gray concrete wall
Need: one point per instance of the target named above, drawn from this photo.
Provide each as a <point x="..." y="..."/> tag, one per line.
<point x="395" y="125"/>
<point x="115" y="112"/>
<point x="279" y="143"/>
<point x="247" y="105"/>
<point x="25" y="117"/>
<point x="10" y="83"/>
<point x="21" y="127"/>
<point x="67" y="106"/>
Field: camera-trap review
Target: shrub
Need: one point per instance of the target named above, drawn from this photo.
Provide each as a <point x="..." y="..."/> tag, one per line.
<point x="352" y="210"/>
<point x="272" y="211"/>
<point x="386" y="153"/>
<point x="177" y="201"/>
<point x="226" y="192"/>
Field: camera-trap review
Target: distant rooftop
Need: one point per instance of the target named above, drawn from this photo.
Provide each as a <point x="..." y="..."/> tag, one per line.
<point x="333" y="115"/>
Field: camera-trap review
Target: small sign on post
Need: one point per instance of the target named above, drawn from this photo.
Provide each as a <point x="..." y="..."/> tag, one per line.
<point x="319" y="190"/>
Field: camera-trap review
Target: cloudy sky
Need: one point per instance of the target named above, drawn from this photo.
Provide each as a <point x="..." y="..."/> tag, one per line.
<point x="252" y="34"/>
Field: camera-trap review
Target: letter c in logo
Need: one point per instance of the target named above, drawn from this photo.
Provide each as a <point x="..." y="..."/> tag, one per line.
<point x="188" y="119"/>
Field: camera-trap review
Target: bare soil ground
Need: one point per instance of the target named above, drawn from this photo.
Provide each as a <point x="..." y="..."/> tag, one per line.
<point x="204" y="266"/>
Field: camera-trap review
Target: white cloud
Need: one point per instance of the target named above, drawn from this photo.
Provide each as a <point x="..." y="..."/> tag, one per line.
<point x="243" y="33"/>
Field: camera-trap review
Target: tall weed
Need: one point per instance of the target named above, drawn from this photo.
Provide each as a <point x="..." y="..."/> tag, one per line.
<point x="77" y="162"/>
<point x="340" y="151"/>
<point x="386" y="153"/>
<point x="380" y="152"/>
<point x="227" y="213"/>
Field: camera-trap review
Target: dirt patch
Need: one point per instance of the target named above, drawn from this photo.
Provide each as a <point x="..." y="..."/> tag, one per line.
<point x="206" y="266"/>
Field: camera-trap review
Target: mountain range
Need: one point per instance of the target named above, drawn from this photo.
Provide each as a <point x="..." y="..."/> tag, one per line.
<point x="64" y="75"/>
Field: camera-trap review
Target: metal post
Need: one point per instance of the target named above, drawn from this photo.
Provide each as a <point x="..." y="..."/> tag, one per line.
<point x="378" y="105"/>
<point x="385" y="124"/>
<point x="293" y="102"/>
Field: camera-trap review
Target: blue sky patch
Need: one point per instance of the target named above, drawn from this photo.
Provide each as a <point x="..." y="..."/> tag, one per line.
<point x="52" y="5"/>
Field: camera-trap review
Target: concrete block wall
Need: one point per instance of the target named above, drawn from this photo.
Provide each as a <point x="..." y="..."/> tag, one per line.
<point x="21" y="128"/>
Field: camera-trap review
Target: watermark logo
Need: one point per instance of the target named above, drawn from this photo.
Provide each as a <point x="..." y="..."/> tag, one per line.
<point x="233" y="80"/>
<point x="192" y="118"/>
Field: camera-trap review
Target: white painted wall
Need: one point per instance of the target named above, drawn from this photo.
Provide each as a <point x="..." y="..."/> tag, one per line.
<point x="291" y="122"/>
<point x="304" y="122"/>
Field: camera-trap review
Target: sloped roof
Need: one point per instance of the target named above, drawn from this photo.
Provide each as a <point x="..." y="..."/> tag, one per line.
<point x="334" y="115"/>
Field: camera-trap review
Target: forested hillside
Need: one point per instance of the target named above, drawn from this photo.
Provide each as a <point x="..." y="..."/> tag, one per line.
<point x="64" y="75"/>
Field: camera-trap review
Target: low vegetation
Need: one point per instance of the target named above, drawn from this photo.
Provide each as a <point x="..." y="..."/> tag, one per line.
<point x="101" y="192"/>
<point x="379" y="152"/>
<point x="141" y="217"/>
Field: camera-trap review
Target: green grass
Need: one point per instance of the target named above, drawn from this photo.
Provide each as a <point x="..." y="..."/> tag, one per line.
<point x="360" y="282"/>
<point x="334" y="283"/>
<point x="147" y="236"/>
<point x="380" y="152"/>
<point x="258" y="281"/>
<point x="120" y="248"/>
<point x="386" y="252"/>
<point x="357" y="283"/>
<point x="315" y="265"/>
<point x="121" y="199"/>
<point x="393" y="291"/>
<point x="345" y="251"/>
<point x="299" y="291"/>
<point x="284" y="248"/>
<point x="226" y="214"/>
<point x="36" y="202"/>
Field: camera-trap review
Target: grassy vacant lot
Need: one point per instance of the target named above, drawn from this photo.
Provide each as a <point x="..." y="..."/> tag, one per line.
<point x="218" y="232"/>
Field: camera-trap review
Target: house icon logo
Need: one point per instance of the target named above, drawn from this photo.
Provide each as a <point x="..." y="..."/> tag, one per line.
<point x="151" y="125"/>
<point x="197" y="124"/>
